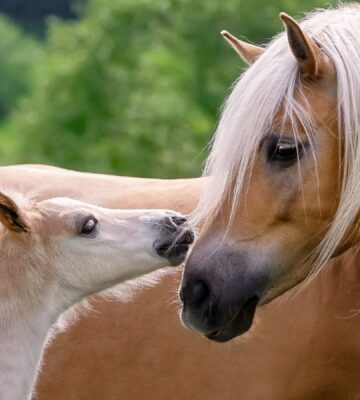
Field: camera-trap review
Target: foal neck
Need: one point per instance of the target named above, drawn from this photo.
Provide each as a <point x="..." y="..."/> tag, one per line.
<point x="21" y="344"/>
<point x="30" y="302"/>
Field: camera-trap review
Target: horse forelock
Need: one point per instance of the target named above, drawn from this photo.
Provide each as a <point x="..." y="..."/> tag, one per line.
<point x="273" y="82"/>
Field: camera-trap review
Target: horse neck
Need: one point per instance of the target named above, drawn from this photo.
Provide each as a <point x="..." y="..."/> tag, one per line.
<point x="338" y="284"/>
<point x="343" y="270"/>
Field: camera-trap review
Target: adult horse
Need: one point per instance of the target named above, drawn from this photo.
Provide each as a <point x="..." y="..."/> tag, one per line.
<point x="285" y="167"/>
<point x="302" y="347"/>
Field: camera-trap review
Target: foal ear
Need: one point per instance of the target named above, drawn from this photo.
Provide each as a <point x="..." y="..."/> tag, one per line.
<point x="11" y="216"/>
<point x="247" y="51"/>
<point x="312" y="61"/>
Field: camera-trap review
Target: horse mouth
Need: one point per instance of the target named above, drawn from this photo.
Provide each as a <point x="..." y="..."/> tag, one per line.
<point x="240" y="323"/>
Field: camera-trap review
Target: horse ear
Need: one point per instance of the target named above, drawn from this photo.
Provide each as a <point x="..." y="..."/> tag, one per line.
<point x="247" y="51"/>
<point x="11" y="216"/>
<point x="312" y="61"/>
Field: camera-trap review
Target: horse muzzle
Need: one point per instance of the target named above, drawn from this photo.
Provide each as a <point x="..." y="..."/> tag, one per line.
<point x="220" y="292"/>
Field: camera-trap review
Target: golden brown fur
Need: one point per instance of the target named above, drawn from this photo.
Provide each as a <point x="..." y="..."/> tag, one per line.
<point x="304" y="346"/>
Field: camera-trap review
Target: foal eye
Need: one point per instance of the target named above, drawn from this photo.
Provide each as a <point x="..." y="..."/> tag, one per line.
<point x="89" y="226"/>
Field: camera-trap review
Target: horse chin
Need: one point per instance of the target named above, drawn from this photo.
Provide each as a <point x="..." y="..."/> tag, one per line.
<point x="238" y="325"/>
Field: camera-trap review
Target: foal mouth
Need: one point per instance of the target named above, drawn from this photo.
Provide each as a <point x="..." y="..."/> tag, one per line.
<point x="238" y="325"/>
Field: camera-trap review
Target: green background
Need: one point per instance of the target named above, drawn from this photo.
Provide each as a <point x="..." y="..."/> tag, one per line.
<point x="132" y="87"/>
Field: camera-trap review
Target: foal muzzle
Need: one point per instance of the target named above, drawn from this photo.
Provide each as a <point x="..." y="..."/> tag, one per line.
<point x="176" y="238"/>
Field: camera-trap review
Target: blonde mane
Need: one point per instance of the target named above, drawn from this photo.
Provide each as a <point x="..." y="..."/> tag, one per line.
<point x="270" y="83"/>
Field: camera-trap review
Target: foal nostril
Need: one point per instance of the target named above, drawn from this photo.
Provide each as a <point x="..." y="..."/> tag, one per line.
<point x="175" y="223"/>
<point x="196" y="294"/>
<point x="186" y="237"/>
<point x="178" y="221"/>
<point x="176" y="239"/>
<point x="162" y="248"/>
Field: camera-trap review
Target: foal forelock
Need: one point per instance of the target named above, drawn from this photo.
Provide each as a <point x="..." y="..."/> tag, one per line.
<point x="272" y="82"/>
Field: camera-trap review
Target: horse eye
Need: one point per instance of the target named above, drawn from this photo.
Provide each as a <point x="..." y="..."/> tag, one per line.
<point x="284" y="152"/>
<point x="89" y="226"/>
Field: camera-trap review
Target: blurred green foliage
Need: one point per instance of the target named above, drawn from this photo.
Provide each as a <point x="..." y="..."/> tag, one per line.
<point x="19" y="55"/>
<point x="134" y="86"/>
<point x="32" y="15"/>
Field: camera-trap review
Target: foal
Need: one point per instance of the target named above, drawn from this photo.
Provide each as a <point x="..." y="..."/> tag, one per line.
<point x="56" y="252"/>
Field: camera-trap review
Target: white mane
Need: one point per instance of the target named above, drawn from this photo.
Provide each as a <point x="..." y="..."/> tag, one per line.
<point x="270" y="83"/>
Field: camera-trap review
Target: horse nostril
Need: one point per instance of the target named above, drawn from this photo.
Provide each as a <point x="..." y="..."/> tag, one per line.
<point x="198" y="293"/>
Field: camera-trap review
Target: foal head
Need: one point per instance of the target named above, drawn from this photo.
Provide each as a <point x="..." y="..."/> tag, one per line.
<point x="68" y="249"/>
<point x="56" y="252"/>
<point x="285" y="168"/>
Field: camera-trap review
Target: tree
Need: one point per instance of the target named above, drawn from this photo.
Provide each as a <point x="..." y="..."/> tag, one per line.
<point x="134" y="87"/>
<point x="19" y="54"/>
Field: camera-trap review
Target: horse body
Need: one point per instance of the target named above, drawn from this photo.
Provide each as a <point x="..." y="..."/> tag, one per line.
<point x="43" y="182"/>
<point x="299" y="349"/>
<point x="56" y="252"/>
